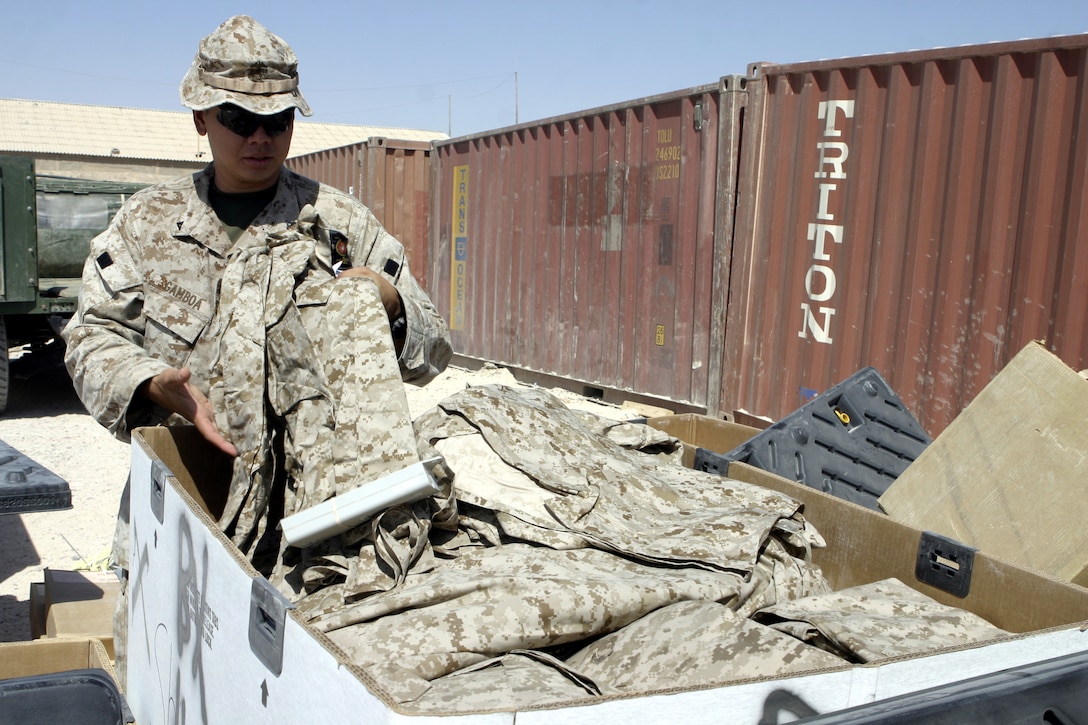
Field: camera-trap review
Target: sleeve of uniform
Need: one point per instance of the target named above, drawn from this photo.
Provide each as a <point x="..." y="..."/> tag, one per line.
<point x="104" y="352"/>
<point x="427" y="349"/>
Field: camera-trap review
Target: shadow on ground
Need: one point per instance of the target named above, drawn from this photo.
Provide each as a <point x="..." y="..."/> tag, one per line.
<point x="18" y="554"/>
<point x="39" y="385"/>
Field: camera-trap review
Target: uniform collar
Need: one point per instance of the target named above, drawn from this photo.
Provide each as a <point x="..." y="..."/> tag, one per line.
<point x="199" y="222"/>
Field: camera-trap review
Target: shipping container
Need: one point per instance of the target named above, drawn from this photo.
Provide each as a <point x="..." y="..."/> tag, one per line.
<point x="584" y="246"/>
<point x="393" y="178"/>
<point x="925" y="213"/>
<point x="748" y="245"/>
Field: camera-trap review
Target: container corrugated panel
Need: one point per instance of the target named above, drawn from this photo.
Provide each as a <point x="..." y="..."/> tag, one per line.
<point x="393" y="178"/>
<point x="581" y="246"/>
<point x="924" y="213"/>
<point x="339" y="167"/>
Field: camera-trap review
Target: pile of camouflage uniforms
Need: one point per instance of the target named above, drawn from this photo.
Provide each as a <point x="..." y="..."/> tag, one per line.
<point x="570" y="556"/>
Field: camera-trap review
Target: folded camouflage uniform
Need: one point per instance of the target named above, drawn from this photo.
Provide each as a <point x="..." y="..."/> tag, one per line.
<point x="694" y="644"/>
<point x="877" y="621"/>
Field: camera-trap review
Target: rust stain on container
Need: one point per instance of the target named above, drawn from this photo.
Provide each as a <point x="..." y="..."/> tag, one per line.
<point x="393" y="178"/>
<point x="923" y="213"/>
<point x="588" y="246"/>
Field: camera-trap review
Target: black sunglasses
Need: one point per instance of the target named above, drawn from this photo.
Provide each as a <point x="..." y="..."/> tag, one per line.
<point x="245" y="123"/>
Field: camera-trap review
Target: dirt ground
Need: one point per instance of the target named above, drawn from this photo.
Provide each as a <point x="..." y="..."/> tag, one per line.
<point x="46" y="422"/>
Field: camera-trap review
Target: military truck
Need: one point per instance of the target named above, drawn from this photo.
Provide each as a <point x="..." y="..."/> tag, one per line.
<point x="46" y="225"/>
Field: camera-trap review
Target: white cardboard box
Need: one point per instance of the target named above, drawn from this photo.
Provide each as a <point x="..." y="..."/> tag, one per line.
<point x="209" y="642"/>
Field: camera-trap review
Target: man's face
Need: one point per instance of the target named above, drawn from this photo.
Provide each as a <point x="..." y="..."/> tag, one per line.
<point x="245" y="162"/>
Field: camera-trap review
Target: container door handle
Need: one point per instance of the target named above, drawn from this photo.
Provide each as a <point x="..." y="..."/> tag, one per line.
<point x="945" y="563"/>
<point x="267" y="620"/>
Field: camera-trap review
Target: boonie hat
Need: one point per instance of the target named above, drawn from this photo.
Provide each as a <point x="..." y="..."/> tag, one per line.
<point x="244" y="64"/>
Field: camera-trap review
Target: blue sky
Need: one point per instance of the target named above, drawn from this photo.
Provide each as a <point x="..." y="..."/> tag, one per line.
<point x="452" y="66"/>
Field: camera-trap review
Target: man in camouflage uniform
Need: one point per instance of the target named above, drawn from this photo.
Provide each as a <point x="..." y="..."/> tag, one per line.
<point x="155" y="332"/>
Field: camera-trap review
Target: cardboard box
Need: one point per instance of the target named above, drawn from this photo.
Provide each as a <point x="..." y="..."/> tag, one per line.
<point x="45" y="656"/>
<point x="720" y="436"/>
<point x="1007" y="476"/>
<point x="206" y="631"/>
<point x="80" y="604"/>
<point x="71" y="694"/>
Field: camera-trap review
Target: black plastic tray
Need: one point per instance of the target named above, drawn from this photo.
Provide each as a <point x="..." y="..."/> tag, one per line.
<point x="86" y="696"/>
<point x="851" y="441"/>
<point x="26" y="486"/>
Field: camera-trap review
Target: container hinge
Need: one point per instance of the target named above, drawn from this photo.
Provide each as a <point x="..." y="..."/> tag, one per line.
<point x="267" y="621"/>
<point x="945" y="563"/>
<point x="159" y="474"/>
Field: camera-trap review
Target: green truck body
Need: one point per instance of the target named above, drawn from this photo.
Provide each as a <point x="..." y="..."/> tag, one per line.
<point x="46" y="225"/>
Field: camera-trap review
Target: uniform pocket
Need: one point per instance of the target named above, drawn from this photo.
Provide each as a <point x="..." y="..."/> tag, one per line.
<point x="180" y="313"/>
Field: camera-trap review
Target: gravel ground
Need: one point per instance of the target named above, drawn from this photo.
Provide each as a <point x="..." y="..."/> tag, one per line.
<point x="46" y="422"/>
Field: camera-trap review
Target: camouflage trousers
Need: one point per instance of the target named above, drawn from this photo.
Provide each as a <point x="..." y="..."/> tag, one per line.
<point x="304" y="364"/>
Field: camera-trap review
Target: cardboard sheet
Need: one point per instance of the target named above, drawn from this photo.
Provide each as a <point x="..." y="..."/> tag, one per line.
<point x="1008" y="475"/>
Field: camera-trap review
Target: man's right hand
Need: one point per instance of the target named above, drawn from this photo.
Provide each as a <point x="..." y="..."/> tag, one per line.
<point x="172" y="390"/>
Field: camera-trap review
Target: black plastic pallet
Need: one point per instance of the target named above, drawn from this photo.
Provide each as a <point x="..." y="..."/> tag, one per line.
<point x="26" y="486"/>
<point x="851" y="441"/>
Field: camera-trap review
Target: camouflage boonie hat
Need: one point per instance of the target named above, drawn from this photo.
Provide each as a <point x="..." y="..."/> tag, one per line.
<point x="244" y="64"/>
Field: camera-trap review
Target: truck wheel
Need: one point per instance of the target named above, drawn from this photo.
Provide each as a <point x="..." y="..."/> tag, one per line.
<point x="3" y="366"/>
